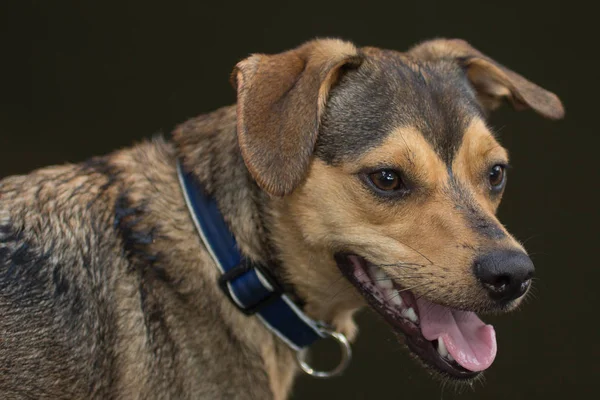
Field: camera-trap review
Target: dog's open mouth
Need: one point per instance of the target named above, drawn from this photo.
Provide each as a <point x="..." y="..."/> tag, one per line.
<point x="453" y="342"/>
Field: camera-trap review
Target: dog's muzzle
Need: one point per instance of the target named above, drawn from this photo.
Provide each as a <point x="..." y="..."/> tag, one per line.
<point x="453" y="342"/>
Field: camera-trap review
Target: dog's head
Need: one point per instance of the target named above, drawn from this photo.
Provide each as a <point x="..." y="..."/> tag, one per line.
<point x="383" y="170"/>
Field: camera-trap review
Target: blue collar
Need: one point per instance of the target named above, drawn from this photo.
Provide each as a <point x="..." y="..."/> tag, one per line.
<point x="248" y="285"/>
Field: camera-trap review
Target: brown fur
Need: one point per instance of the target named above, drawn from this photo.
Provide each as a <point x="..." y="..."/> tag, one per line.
<point x="280" y="102"/>
<point x="492" y="80"/>
<point x="107" y="292"/>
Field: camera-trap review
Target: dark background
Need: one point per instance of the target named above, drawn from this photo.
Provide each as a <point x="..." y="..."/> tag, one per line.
<point x="81" y="78"/>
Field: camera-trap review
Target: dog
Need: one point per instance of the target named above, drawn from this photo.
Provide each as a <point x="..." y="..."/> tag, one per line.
<point x="352" y="176"/>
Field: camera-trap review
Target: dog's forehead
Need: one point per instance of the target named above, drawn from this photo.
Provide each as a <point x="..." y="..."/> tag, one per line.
<point x="389" y="91"/>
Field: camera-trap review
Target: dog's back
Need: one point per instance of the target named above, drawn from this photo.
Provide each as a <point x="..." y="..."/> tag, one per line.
<point x="91" y="304"/>
<point x="54" y="244"/>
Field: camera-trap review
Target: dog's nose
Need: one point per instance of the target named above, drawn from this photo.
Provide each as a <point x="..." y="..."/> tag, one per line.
<point x="505" y="274"/>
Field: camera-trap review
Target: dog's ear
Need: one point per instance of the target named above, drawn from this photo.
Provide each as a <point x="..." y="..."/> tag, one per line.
<point x="280" y="99"/>
<point x="492" y="81"/>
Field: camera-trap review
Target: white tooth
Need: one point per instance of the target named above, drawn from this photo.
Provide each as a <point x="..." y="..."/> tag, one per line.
<point x="441" y="348"/>
<point x="410" y="314"/>
<point x="396" y="299"/>
<point x="386" y="284"/>
<point x="381" y="279"/>
<point x="449" y="356"/>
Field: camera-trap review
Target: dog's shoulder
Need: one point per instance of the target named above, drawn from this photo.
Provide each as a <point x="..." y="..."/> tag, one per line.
<point x="105" y="287"/>
<point x="67" y="236"/>
<point x="71" y="209"/>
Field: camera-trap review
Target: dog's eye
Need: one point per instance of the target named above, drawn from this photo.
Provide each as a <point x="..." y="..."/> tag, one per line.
<point x="386" y="180"/>
<point x="497" y="176"/>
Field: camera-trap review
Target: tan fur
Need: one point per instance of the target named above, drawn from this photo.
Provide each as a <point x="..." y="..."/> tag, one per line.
<point x="479" y="150"/>
<point x="425" y="231"/>
<point x="493" y="81"/>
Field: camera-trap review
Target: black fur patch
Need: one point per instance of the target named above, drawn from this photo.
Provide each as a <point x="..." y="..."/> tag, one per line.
<point x="101" y="166"/>
<point x="21" y="263"/>
<point x="137" y="238"/>
<point x="153" y="279"/>
<point x="61" y="283"/>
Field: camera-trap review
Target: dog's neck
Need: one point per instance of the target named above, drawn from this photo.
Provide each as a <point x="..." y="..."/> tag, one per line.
<point x="208" y="147"/>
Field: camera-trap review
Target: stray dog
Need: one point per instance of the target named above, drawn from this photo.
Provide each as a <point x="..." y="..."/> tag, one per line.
<point x="344" y="176"/>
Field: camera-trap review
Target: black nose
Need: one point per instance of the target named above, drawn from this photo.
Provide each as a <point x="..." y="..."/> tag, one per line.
<point x="506" y="274"/>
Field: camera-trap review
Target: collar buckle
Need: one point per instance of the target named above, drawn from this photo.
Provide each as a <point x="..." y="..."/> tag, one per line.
<point x="246" y="273"/>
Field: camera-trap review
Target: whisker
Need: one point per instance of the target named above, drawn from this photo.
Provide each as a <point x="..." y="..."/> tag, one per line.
<point x="403" y="277"/>
<point x="400" y="264"/>
<point x="341" y="291"/>
<point x="534" y="236"/>
<point x="337" y="280"/>
<point x="414" y="287"/>
<point x="417" y="251"/>
<point x="432" y="290"/>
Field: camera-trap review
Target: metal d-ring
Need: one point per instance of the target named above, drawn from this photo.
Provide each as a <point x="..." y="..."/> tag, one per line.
<point x="340" y="368"/>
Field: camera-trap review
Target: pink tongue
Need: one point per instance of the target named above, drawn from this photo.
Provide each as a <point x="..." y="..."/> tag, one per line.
<point x="471" y="342"/>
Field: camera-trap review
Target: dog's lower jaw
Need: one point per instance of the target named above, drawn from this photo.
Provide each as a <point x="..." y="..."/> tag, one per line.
<point x="434" y="333"/>
<point x="327" y="296"/>
<point x="311" y="270"/>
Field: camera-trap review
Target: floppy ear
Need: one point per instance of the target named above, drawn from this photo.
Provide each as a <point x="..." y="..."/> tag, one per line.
<point x="280" y="101"/>
<point x="492" y="81"/>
